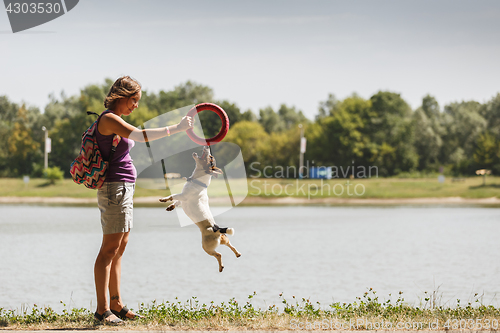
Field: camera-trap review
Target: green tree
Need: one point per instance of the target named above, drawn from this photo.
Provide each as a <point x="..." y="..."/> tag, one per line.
<point x="290" y="117"/>
<point x="463" y="124"/>
<point x="21" y="151"/>
<point x="428" y="132"/>
<point x="338" y="139"/>
<point x="8" y="113"/>
<point x="335" y="140"/>
<point x="285" y="119"/>
<point x="248" y="115"/>
<point x="21" y="146"/>
<point x="327" y="107"/>
<point x="387" y="113"/>
<point x="392" y="129"/>
<point x="270" y="120"/>
<point x="252" y="139"/>
<point x="431" y="107"/>
<point x="282" y="149"/>
<point x="185" y="94"/>
<point x="491" y="112"/>
<point x="487" y="151"/>
<point x="8" y="110"/>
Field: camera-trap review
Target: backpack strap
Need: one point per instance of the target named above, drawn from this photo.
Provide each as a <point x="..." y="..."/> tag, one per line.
<point x="116" y="141"/>
<point x="116" y="138"/>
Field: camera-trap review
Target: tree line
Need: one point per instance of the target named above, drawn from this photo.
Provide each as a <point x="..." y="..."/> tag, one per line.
<point x="382" y="131"/>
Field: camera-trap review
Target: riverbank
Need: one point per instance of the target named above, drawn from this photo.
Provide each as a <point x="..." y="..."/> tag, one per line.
<point x="236" y="330"/>
<point x="263" y="201"/>
<point x="367" y="313"/>
<point x="125" y="329"/>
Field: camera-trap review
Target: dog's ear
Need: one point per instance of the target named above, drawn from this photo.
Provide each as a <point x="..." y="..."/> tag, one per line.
<point x="215" y="171"/>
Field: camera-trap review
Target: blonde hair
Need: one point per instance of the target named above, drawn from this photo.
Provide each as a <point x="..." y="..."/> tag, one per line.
<point x="124" y="87"/>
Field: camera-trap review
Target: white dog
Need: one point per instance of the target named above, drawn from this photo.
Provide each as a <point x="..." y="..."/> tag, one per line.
<point x="194" y="201"/>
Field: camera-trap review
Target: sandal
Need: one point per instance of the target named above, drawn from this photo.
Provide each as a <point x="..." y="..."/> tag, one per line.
<point x="122" y="314"/>
<point x="101" y="318"/>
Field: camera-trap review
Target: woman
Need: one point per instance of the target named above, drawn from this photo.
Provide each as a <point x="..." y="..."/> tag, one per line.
<point x="115" y="196"/>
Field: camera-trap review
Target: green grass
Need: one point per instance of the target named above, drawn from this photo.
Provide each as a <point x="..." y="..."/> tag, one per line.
<point x="62" y="188"/>
<point x="383" y="188"/>
<point x="379" y="188"/>
<point x="366" y="313"/>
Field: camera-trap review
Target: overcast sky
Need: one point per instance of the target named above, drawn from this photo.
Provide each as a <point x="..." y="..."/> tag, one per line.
<point x="261" y="53"/>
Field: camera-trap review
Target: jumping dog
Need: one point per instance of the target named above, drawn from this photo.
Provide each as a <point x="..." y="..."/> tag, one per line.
<point x="194" y="201"/>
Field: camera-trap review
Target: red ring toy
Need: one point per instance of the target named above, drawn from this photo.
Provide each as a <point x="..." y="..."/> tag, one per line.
<point x="223" y="117"/>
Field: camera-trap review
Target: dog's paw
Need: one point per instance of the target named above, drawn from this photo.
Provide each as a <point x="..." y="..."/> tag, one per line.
<point x="238" y="255"/>
<point x="170" y="208"/>
<point x="165" y="199"/>
<point x="220" y="269"/>
<point x="230" y="231"/>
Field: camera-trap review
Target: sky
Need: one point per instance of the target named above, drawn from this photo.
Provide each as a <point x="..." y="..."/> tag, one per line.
<point x="262" y="53"/>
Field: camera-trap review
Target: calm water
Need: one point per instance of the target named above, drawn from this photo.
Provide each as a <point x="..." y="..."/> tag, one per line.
<point x="325" y="253"/>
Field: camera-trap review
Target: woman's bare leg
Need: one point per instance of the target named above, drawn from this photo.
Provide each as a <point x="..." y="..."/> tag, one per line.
<point x="116" y="302"/>
<point x="102" y="269"/>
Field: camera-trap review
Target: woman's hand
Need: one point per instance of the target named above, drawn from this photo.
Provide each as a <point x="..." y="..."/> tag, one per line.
<point x="185" y="124"/>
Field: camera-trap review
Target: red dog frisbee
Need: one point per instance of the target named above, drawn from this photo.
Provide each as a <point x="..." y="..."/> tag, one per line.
<point x="223" y="130"/>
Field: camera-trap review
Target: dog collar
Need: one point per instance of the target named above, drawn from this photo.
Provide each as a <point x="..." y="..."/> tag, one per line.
<point x="216" y="228"/>
<point x="197" y="182"/>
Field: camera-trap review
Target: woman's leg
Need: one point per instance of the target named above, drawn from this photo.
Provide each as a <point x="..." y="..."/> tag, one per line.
<point x="110" y="247"/>
<point x="116" y="302"/>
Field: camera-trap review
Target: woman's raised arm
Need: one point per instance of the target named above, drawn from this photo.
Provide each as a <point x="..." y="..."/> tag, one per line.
<point x="112" y="124"/>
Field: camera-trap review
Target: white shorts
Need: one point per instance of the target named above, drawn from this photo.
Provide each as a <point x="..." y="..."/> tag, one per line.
<point x="115" y="201"/>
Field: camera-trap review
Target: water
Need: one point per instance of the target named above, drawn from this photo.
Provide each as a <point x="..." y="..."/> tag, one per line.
<point x="326" y="254"/>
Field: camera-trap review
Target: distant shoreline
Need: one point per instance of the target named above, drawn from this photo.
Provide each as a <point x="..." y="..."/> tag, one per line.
<point x="262" y="201"/>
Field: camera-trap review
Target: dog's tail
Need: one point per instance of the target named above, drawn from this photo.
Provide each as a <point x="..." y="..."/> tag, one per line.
<point x="229" y="231"/>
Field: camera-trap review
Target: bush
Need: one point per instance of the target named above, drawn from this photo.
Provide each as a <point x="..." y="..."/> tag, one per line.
<point x="53" y="174"/>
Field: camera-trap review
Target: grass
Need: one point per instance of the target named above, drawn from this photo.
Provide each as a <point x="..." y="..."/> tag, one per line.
<point x="38" y="187"/>
<point x="366" y="313"/>
<point x="382" y="188"/>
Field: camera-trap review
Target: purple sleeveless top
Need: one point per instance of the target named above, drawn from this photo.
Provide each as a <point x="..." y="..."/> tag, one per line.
<point x="121" y="168"/>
